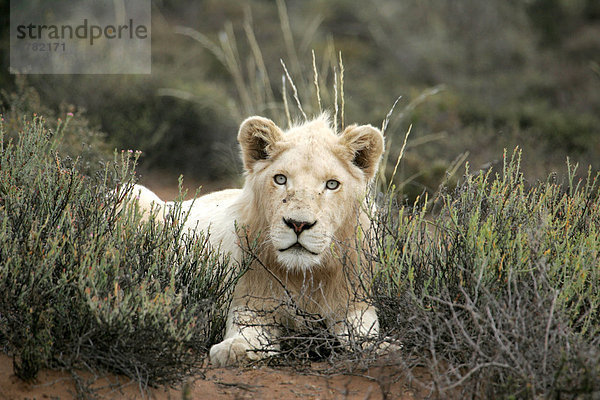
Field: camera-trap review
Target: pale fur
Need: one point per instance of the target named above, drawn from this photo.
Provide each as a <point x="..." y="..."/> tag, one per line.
<point x="319" y="278"/>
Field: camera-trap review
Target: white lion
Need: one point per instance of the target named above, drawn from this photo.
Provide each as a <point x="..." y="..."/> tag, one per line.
<point x="303" y="198"/>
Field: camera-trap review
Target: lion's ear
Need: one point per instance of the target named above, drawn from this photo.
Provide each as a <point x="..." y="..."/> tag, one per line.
<point x="257" y="136"/>
<point x="365" y="143"/>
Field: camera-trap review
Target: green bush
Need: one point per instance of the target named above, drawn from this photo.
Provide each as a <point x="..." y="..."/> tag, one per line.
<point x="85" y="281"/>
<point x="497" y="289"/>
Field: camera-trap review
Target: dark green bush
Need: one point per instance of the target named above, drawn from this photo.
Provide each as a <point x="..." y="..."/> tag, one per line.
<point x="176" y="130"/>
<point x="173" y="133"/>
<point x="85" y="281"/>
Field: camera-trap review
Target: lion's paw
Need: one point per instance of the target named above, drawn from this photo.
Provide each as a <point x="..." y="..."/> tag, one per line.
<point x="230" y="351"/>
<point x="388" y="347"/>
<point x="234" y="351"/>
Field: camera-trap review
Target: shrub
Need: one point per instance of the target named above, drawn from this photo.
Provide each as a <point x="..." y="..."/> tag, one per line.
<point x="85" y="281"/>
<point x="497" y="290"/>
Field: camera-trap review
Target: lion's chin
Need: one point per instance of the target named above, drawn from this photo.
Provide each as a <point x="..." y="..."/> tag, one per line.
<point x="298" y="259"/>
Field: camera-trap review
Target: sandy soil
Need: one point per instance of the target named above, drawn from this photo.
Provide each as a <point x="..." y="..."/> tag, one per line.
<point x="165" y="185"/>
<point x="221" y="383"/>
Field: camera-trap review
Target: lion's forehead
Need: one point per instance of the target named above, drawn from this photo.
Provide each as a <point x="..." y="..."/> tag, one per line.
<point x="319" y="162"/>
<point x="309" y="156"/>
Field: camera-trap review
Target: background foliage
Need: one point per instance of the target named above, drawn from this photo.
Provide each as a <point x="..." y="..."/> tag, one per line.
<point x="511" y="73"/>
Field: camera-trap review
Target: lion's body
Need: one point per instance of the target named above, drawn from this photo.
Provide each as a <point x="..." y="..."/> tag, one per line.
<point x="216" y="212"/>
<point x="303" y="200"/>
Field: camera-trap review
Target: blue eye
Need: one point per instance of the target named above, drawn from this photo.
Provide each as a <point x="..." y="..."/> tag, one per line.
<point x="332" y="184"/>
<point x="280" y="179"/>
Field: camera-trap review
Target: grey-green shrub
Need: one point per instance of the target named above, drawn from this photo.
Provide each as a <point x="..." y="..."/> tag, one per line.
<point x="85" y="281"/>
<point x="497" y="290"/>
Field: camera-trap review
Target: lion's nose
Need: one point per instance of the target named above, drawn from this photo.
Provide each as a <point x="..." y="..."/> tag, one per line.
<point x="299" y="226"/>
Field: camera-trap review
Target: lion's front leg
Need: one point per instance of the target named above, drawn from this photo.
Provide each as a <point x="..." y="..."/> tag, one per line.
<point x="359" y="323"/>
<point x="249" y="337"/>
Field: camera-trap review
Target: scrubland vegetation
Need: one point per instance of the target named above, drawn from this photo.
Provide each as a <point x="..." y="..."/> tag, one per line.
<point x="496" y="290"/>
<point x="485" y="266"/>
<point x="86" y="282"/>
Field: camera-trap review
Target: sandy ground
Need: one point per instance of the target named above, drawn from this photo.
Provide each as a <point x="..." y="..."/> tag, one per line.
<point x="221" y="383"/>
<point x="165" y="185"/>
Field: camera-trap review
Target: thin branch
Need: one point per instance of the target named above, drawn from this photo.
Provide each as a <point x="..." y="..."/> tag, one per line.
<point x="547" y="335"/>
<point x="335" y="100"/>
<point x="286" y="106"/>
<point x="295" y="90"/>
<point x="341" y="64"/>
<point x="399" y="158"/>
<point x="316" y="81"/>
<point x="386" y="121"/>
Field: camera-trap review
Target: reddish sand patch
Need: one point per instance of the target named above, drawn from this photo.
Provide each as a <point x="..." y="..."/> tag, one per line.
<point x="165" y="185"/>
<point x="221" y="383"/>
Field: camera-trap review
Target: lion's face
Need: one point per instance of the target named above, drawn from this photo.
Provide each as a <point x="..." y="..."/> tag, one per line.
<point x="307" y="184"/>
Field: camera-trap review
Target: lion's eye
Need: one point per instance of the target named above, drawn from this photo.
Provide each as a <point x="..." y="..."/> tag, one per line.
<point x="280" y="179"/>
<point x="332" y="184"/>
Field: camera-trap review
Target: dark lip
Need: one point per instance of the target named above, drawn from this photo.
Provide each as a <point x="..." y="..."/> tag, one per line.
<point x="298" y="246"/>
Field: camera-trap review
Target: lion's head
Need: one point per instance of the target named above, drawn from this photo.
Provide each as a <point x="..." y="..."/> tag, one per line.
<point x="306" y="185"/>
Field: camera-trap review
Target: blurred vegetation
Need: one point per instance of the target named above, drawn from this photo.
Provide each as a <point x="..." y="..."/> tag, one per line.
<point x="513" y="73"/>
<point x="76" y="140"/>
